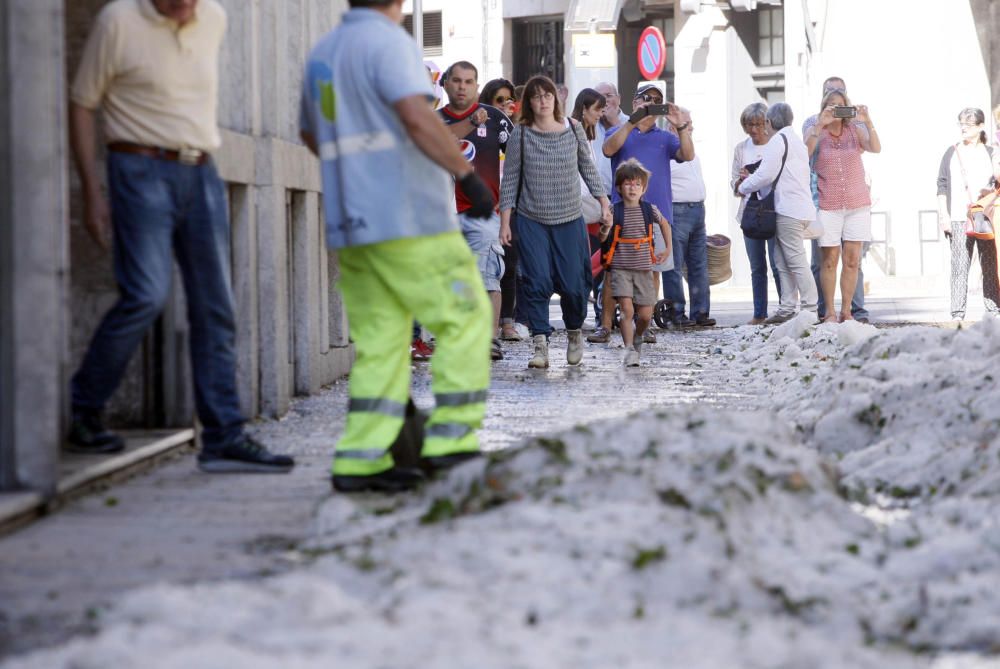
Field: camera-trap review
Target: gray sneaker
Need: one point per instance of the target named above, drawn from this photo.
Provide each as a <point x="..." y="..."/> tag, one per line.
<point x="648" y="337"/>
<point x="574" y="350"/>
<point x="779" y="318"/>
<point x="631" y="358"/>
<point x="541" y="358"/>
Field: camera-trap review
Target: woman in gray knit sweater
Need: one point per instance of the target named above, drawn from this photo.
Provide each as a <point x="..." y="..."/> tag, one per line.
<point x="545" y="155"/>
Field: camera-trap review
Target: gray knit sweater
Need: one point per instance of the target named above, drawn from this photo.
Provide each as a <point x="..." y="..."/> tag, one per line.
<point x="552" y="164"/>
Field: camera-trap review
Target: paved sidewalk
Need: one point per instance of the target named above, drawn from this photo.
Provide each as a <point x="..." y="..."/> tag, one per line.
<point x="175" y="524"/>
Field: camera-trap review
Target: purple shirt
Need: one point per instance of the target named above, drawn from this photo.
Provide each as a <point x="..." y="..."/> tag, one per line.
<point x="654" y="149"/>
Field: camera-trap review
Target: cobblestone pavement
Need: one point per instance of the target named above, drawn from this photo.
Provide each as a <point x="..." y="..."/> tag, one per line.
<point x="174" y="524"/>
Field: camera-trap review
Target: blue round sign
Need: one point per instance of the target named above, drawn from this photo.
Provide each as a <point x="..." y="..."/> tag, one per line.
<point x="652" y="54"/>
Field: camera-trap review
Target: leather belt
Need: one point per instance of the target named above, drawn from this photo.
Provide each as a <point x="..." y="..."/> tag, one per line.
<point x="183" y="156"/>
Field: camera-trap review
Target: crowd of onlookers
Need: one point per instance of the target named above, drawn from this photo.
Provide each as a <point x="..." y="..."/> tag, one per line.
<point x="564" y="210"/>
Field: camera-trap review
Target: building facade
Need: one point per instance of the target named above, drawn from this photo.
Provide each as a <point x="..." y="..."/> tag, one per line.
<point x="55" y="284"/>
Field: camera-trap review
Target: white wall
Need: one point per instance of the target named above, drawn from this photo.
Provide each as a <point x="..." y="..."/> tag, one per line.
<point x="472" y="30"/>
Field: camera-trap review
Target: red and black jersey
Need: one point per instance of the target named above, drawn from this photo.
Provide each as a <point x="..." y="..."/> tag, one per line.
<point x="482" y="147"/>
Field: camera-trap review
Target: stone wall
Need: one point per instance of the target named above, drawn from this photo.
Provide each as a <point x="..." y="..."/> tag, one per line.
<point x="292" y="337"/>
<point x="32" y="242"/>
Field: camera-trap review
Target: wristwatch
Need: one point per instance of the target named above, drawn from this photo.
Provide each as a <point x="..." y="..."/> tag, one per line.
<point x="680" y="128"/>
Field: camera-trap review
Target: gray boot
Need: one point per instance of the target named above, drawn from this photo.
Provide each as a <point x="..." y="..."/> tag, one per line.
<point x="574" y="351"/>
<point x="541" y="358"/>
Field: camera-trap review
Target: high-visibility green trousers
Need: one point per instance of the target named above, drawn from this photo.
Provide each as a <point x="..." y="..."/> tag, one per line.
<point x="385" y="287"/>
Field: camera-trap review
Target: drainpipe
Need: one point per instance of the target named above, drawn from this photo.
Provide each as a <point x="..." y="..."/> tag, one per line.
<point x="418" y="24"/>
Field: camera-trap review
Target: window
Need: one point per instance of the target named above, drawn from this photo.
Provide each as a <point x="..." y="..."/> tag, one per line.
<point x="538" y="49"/>
<point x="770" y="36"/>
<point x="433" y="38"/>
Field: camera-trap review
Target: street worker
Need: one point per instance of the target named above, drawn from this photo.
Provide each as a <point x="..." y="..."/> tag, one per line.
<point x="639" y="138"/>
<point x="152" y="66"/>
<point x="628" y="255"/>
<point x="482" y="132"/>
<point x="390" y="214"/>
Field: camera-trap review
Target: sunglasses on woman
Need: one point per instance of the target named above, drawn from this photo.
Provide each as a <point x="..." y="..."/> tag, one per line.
<point x="501" y="100"/>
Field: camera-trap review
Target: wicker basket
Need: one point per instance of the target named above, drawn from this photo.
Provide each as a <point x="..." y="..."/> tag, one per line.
<point x="719" y="267"/>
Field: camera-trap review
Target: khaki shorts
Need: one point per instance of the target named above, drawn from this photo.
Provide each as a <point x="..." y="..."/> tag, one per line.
<point x="636" y="284"/>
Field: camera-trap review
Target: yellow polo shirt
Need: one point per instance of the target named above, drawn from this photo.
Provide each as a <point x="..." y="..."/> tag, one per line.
<point x="157" y="81"/>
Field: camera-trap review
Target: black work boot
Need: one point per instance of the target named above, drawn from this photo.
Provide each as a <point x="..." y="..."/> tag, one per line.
<point x="245" y="456"/>
<point x="440" y="462"/>
<point x="87" y="434"/>
<point x="405" y="450"/>
<point x="397" y="479"/>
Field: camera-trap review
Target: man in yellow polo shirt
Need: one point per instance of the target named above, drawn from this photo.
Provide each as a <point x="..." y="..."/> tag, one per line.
<point x="152" y="65"/>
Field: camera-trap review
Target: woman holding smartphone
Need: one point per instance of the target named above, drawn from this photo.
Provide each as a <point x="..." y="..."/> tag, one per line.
<point x="844" y="199"/>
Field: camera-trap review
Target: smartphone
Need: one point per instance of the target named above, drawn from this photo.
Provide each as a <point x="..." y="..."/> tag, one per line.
<point x="841" y="111"/>
<point x="658" y="110"/>
<point x="752" y="167"/>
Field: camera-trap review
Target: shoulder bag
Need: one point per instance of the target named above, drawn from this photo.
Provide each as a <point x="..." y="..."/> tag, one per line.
<point x="760" y="220"/>
<point x="978" y="221"/>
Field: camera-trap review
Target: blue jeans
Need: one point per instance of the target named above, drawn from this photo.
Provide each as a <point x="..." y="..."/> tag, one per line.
<point x="759" y="251"/>
<point x="162" y="209"/>
<point x="688" y="232"/>
<point x="858" y="310"/>
<point x="552" y="259"/>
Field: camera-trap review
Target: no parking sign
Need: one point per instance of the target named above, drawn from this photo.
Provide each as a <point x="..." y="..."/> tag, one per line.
<point x="652" y="53"/>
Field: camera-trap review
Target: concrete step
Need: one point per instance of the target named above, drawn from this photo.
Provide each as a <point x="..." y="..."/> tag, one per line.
<point x="80" y="474"/>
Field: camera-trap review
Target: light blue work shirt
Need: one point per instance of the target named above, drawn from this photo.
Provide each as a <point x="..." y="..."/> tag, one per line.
<point x="377" y="184"/>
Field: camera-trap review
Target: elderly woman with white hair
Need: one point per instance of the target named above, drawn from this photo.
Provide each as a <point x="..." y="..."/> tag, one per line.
<point x="746" y="157"/>
<point x="785" y="168"/>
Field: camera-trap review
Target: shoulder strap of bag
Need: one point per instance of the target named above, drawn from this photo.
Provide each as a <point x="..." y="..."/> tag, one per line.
<point x="520" y="174"/>
<point x="784" y="156"/>
<point x="965" y="175"/>
<point x="647" y="215"/>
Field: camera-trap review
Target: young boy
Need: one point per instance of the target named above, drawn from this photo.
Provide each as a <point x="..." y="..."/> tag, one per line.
<point x="627" y="253"/>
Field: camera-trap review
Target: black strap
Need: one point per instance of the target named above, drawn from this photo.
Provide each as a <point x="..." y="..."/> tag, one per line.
<point x="520" y="174"/>
<point x="783" y="157"/>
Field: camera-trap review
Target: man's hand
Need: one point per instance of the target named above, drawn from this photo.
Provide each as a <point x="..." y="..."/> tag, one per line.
<point x="97" y="220"/>
<point x="677" y="116"/>
<point x="479" y="195"/>
<point x="639" y="114"/>
<point x="662" y="258"/>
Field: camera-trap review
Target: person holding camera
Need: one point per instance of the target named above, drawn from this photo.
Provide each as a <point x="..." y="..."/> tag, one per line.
<point x="844" y="198"/>
<point x="966" y="174"/>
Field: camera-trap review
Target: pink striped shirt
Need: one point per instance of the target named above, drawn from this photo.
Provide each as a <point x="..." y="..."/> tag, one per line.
<point x="840" y="172"/>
